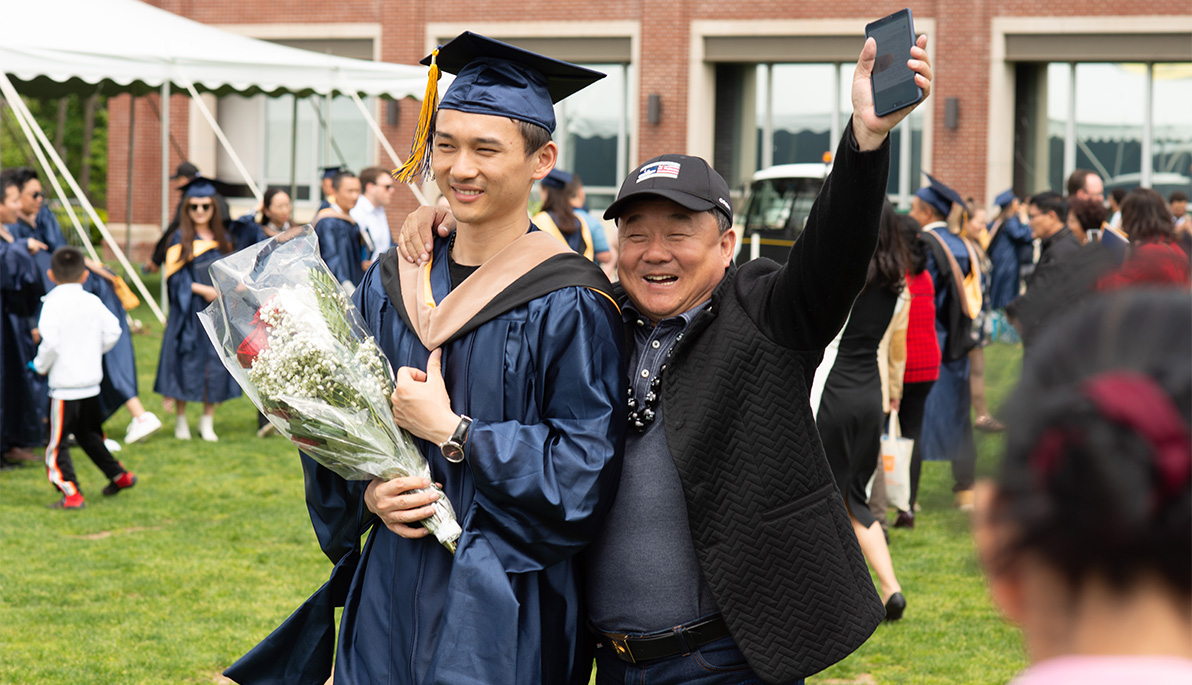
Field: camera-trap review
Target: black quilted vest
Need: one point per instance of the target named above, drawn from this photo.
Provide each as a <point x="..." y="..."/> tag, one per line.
<point x="771" y="531"/>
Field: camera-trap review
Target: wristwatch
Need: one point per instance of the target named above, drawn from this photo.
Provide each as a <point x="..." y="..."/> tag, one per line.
<point x="453" y="449"/>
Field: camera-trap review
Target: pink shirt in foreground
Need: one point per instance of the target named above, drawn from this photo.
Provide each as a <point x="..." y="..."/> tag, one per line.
<point x="1107" y="670"/>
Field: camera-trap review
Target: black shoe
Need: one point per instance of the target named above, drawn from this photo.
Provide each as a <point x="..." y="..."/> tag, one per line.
<point x="895" y="606"/>
<point x="905" y="519"/>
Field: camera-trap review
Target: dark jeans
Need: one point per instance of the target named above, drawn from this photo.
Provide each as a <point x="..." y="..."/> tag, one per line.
<point x="910" y="416"/>
<point x="719" y="662"/>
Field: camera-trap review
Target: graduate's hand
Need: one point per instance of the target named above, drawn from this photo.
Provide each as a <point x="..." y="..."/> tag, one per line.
<point x="868" y="128"/>
<point x="36" y="245"/>
<point x="397" y="507"/>
<point x="414" y="241"/>
<point x="420" y="401"/>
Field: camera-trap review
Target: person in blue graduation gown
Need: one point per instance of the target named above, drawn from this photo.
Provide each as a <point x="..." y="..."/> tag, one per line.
<point x="947" y="433"/>
<point x="528" y="383"/>
<point x="20" y="293"/>
<point x="327" y="183"/>
<point x="189" y="369"/>
<point x="1010" y="236"/>
<point x="341" y="242"/>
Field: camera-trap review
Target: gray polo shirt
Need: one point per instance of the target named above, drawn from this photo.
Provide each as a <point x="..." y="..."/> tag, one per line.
<point x="642" y="574"/>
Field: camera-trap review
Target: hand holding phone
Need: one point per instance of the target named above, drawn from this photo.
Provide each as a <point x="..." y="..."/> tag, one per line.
<point x="893" y="81"/>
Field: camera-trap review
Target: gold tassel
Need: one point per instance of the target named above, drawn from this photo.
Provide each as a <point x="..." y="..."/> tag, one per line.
<point x="417" y="167"/>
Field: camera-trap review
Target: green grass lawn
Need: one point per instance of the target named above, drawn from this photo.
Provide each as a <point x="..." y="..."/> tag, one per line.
<point x="172" y="581"/>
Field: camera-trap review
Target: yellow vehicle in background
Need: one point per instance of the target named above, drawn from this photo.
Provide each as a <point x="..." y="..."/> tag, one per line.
<point x="776" y="208"/>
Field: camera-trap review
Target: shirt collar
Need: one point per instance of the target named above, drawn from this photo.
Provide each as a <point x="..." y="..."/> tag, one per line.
<point x="631" y="314"/>
<point x="363" y="204"/>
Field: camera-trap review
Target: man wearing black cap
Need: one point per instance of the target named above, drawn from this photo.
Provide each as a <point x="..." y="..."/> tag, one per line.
<point x="519" y="411"/>
<point x="728" y="556"/>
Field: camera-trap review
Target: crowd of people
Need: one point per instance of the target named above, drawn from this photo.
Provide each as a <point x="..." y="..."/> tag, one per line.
<point x="675" y="475"/>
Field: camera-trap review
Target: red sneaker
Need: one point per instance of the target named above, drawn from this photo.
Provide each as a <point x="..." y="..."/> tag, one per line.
<point x="74" y="501"/>
<point x="122" y="482"/>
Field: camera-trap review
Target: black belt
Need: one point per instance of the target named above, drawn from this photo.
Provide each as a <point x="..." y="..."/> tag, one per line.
<point x="682" y="639"/>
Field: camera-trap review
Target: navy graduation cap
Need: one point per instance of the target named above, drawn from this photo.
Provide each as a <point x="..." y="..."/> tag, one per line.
<point x="201" y="186"/>
<point x="939" y="195"/>
<point x="557" y="179"/>
<point x="1005" y="198"/>
<point x="330" y="171"/>
<point x="492" y="78"/>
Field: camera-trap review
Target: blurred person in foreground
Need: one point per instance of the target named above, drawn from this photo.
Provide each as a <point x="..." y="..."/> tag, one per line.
<point x="1086" y="219"/>
<point x="1086" y="536"/>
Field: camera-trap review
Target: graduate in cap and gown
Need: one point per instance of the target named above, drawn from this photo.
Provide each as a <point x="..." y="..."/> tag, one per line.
<point x="947" y="433"/>
<point x="559" y="219"/>
<point x="189" y="369"/>
<point x="343" y="246"/>
<point x="519" y="410"/>
<point x="1009" y="236"/>
<point x="21" y="422"/>
<point x="327" y="185"/>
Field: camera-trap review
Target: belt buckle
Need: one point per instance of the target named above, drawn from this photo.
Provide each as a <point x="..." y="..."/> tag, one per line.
<point x="620" y="645"/>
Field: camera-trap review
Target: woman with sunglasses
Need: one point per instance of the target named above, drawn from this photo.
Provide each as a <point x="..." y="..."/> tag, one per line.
<point x="189" y="369"/>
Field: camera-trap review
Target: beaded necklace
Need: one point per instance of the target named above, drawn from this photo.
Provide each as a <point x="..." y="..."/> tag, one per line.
<point x="642" y="414"/>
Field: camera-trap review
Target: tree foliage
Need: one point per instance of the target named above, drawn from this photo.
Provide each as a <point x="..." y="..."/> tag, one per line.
<point x="16" y="151"/>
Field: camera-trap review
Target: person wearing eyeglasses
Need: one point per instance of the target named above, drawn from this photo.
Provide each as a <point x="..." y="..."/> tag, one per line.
<point x="376" y="189"/>
<point x="189" y="369"/>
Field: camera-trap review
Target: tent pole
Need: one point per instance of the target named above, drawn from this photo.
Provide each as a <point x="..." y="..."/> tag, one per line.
<point x="385" y="144"/>
<point x="10" y="92"/>
<point x="165" y="178"/>
<point x="223" y="140"/>
<point x="48" y="170"/>
<point x="327" y="140"/>
<point x="294" y="152"/>
<point x="132" y="119"/>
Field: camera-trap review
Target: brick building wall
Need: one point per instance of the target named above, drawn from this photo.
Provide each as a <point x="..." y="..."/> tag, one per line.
<point x="961" y="43"/>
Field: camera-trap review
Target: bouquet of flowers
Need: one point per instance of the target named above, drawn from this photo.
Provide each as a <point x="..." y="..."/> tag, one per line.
<point x="292" y="339"/>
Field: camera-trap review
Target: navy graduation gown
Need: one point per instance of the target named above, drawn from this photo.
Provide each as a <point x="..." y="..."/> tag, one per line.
<point x="189" y="367"/>
<point x="1004" y="249"/>
<point x="340" y="247"/>
<point x="544" y="384"/>
<point x="947" y="432"/>
<point x="119" y="383"/>
<point x="21" y="416"/>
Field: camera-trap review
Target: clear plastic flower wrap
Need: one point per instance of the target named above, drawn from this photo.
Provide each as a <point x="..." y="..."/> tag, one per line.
<point x="296" y="344"/>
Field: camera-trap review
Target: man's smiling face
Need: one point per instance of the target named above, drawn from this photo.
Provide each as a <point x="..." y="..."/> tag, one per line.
<point x="671" y="258"/>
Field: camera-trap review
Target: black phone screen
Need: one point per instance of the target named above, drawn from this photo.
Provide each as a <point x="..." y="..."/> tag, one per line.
<point x="893" y="81"/>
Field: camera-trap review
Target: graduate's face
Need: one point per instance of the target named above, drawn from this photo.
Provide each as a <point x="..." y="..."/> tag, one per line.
<point x="11" y="205"/>
<point x="481" y="167"/>
<point x="31" y="197"/>
<point x="672" y="258"/>
<point x="347" y="193"/>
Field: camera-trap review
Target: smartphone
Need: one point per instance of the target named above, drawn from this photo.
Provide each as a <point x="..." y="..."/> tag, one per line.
<point x="893" y="81"/>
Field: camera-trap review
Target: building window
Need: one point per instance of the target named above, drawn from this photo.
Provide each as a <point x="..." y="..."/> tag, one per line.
<point x="592" y="131"/>
<point x="1099" y="116"/>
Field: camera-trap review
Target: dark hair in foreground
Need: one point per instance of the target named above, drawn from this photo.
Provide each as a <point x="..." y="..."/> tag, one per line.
<point x="916" y="249"/>
<point x="1118" y="194"/>
<point x="7" y="179"/>
<point x="67" y="264"/>
<point x="22" y="175"/>
<point x="1097" y="475"/>
<point x="887" y="268"/>
<point x="1146" y="218"/>
<point x="533" y="135"/>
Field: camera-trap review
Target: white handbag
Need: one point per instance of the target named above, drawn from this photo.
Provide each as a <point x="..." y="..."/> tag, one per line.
<point x="896" y="464"/>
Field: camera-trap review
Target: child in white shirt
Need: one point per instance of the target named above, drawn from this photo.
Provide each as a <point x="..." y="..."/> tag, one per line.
<point x="76" y="330"/>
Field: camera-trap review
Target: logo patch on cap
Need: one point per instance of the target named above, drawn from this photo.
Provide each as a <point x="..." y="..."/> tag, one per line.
<point x="724" y="202"/>
<point x="663" y="169"/>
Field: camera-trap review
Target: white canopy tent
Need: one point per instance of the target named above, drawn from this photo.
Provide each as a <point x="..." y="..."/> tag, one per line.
<point x="130" y="46"/>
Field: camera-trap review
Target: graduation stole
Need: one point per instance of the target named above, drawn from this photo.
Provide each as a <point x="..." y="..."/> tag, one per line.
<point x="544" y="221"/>
<point x="532" y="266"/>
<point x="174" y="255"/>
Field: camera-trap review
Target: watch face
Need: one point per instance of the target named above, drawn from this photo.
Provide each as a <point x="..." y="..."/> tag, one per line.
<point x="453" y="452"/>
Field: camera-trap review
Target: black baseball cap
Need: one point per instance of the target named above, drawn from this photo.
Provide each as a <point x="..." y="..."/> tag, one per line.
<point x="685" y="180"/>
<point x="185" y="170"/>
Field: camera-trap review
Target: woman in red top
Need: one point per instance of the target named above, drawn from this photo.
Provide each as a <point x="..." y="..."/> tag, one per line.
<point x="1156" y="259"/>
<point x="922" y="355"/>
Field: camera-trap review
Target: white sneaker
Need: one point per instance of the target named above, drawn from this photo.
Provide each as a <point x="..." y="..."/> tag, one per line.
<point x="181" y="429"/>
<point x="112" y="445"/>
<point x="141" y="427"/>
<point x="207" y="428"/>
